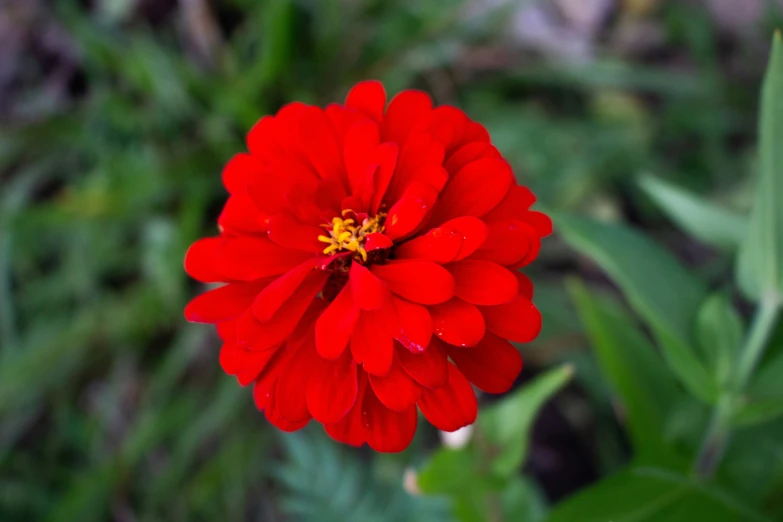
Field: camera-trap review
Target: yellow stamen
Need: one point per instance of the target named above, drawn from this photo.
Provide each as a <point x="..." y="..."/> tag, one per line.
<point x="345" y="234"/>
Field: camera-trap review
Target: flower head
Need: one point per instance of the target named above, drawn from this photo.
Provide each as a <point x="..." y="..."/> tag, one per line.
<point x="370" y="256"/>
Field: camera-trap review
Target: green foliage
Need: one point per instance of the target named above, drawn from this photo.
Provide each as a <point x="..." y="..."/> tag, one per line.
<point x="323" y="481"/>
<point x="657" y="286"/>
<point x="703" y="220"/>
<point x="642" y="494"/>
<point x="760" y="264"/>
<point x="638" y="376"/>
<point x="116" y="122"/>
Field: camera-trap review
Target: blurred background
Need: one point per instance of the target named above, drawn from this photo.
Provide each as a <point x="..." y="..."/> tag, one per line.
<point x="116" y="117"/>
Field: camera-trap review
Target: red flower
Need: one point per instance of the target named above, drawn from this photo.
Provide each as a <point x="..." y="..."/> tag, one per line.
<point x="350" y="237"/>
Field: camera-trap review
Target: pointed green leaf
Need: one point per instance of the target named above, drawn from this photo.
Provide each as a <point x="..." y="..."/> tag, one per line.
<point x="760" y="264"/>
<point x="658" y="287"/>
<point x="720" y="331"/>
<point x="652" y="495"/>
<point x="701" y="219"/>
<point x="759" y="411"/>
<point x="636" y="373"/>
<point x="506" y="425"/>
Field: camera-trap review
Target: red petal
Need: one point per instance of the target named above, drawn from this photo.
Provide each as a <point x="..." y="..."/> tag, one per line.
<point x="509" y="243"/>
<point x="368" y="97"/>
<point x="262" y="140"/>
<point x="350" y="430"/>
<point x="514" y="205"/>
<point x="405" y="110"/>
<point x="447" y="125"/>
<point x="450" y="407"/>
<point x="241" y="216"/>
<point x="419" y="151"/>
<point x="273" y="414"/>
<point x="246" y="366"/>
<point x="407" y="214"/>
<point x="386" y="430"/>
<point x="359" y="149"/>
<point x="372" y="344"/>
<point x="331" y="391"/>
<point x="474" y="190"/>
<point x="369" y="292"/>
<point x="525" y="285"/>
<point x="518" y="321"/>
<point x="418" y="281"/>
<point x="411" y="324"/>
<point x="457" y="322"/>
<point x="395" y="389"/>
<point x="319" y="142"/>
<point x="429" y="368"/>
<point x="201" y="261"/>
<point x="376" y="241"/>
<point x="471" y="230"/>
<point x="492" y="366"/>
<point x="387" y="162"/>
<point x="469" y="153"/>
<point x="334" y="328"/>
<point x="241" y="170"/>
<point x="280" y="290"/>
<point x="291" y="389"/>
<point x="254" y="335"/>
<point x="248" y="258"/>
<point x="287" y="231"/>
<point x="440" y="245"/>
<point x="541" y="222"/>
<point x="221" y="304"/>
<point x="483" y="283"/>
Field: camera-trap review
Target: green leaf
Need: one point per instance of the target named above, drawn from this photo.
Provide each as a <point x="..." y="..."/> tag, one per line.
<point x="758" y="412"/>
<point x="448" y="470"/>
<point x="766" y="383"/>
<point x="760" y="263"/>
<point x="658" y="287"/>
<point x="506" y="425"/>
<point x="652" y="495"/>
<point x="720" y="331"/>
<point x="634" y="370"/>
<point x="703" y="220"/>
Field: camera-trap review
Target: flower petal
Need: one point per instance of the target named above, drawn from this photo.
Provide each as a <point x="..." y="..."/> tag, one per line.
<point x="271" y="298"/>
<point x="369" y="292"/>
<point x="418" y="281"/>
<point x="254" y="335"/>
<point x="483" y="283"/>
<point x="241" y="170"/>
<point x="240" y="215"/>
<point x="457" y="322"/>
<point x="471" y="230"/>
<point x="518" y="321"/>
<point x="410" y="324"/>
<point x="247" y="258"/>
<point x="429" y="368"/>
<point x="292" y="385"/>
<point x="319" y="142"/>
<point x="475" y="190"/>
<point x="201" y="261"/>
<point x="492" y="366"/>
<point x="221" y="304"/>
<point x="514" y="205"/>
<point x="452" y="406"/>
<point x="396" y="390"/>
<point x="386" y="430"/>
<point x="331" y="391"/>
<point x="334" y="328"/>
<point x="509" y="243"/>
<point x="368" y="97"/>
<point x="469" y="153"/>
<point x="289" y="232"/>
<point x="406" y="110"/>
<point x="350" y="429"/>
<point x="440" y="245"/>
<point x="372" y="345"/>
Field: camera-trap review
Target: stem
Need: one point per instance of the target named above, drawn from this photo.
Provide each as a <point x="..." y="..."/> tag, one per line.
<point x="756" y="344"/>
<point x="717" y="437"/>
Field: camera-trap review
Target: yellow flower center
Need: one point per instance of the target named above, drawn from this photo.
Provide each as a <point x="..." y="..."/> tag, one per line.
<point x="346" y="234"/>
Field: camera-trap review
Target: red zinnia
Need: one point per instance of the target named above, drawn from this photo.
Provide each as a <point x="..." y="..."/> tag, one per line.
<point x="350" y="237"/>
